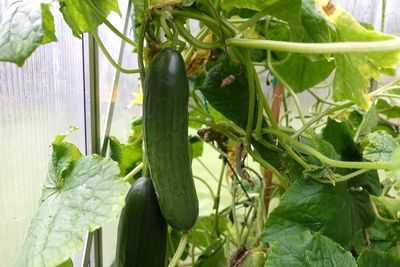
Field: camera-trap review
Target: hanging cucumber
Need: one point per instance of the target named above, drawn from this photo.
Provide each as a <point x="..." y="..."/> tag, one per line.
<point x="165" y="115"/>
<point x="142" y="231"/>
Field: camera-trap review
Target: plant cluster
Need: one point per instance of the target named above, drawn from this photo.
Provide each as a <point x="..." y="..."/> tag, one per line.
<point x="336" y="176"/>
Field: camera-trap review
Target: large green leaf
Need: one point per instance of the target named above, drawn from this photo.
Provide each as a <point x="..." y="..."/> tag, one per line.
<point x="204" y="230"/>
<point x="341" y="139"/>
<point x="80" y="16"/>
<point x="128" y="155"/>
<point x="305" y="249"/>
<point x="27" y="25"/>
<point x="79" y="194"/>
<point x="286" y="10"/>
<point x="372" y="258"/>
<point x="369" y="122"/>
<point x="231" y="99"/>
<point x="308" y="205"/>
<point x="339" y="136"/>
<point x="213" y="255"/>
<point x="301" y="71"/>
<point x="379" y="146"/>
<point x="353" y="71"/>
<point x="384" y="234"/>
<point x="391" y="111"/>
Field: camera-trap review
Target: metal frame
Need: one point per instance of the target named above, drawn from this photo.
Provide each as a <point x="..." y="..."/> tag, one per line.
<point x="92" y="251"/>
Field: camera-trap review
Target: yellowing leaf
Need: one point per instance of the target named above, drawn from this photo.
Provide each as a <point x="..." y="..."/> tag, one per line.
<point x="354" y="70"/>
<point x="197" y="64"/>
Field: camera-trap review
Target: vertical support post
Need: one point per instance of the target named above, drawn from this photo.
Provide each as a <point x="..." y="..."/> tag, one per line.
<point x="92" y="255"/>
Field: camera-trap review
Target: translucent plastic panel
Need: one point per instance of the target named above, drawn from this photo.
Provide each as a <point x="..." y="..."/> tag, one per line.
<point x="37" y="102"/>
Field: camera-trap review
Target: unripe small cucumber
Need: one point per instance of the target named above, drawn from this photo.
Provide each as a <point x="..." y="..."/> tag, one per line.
<point x="142" y="231"/>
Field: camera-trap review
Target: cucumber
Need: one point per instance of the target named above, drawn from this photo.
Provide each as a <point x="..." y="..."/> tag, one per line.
<point x="142" y="231"/>
<point x="165" y="118"/>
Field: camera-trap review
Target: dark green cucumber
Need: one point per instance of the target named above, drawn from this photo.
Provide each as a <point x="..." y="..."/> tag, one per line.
<point x="142" y="231"/>
<point x="165" y="117"/>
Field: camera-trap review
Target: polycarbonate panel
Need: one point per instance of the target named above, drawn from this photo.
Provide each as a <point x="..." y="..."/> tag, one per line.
<point x="37" y="102"/>
<point x="123" y="112"/>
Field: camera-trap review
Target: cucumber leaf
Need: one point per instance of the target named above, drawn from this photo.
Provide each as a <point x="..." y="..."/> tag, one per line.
<point x="27" y="25"/>
<point x="308" y="205"/>
<point x="300" y="71"/>
<point x="369" y="122"/>
<point x="286" y="10"/>
<point x="379" y="146"/>
<point x="80" y="17"/>
<point x="128" y="155"/>
<point x="68" y="263"/>
<point x="391" y="111"/>
<point x="79" y="194"/>
<point x="213" y="255"/>
<point x="305" y="249"/>
<point x="372" y="258"/>
<point x="354" y="70"/>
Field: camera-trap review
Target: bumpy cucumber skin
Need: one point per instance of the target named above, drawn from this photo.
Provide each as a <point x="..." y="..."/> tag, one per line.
<point x="142" y="231"/>
<point x="165" y="118"/>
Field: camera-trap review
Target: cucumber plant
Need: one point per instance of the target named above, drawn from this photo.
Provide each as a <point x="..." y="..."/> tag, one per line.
<point x="322" y="185"/>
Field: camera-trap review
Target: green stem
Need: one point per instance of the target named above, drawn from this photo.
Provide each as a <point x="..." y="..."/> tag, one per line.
<point x="222" y="153"/>
<point x="132" y="173"/>
<point x="206" y="184"/>
<point x="286" y="85"/>
<point x="207" y="169"/>
<point x="218" y="198"/>
<point x="388" y="95"/>
<point x="320" y="99"/>
<point x="329" y="161"/>
<point x="170" y="246"/>
<point x="252" y="94"/>
<point x="238" y="180"/>
<point x="109" y="57"/>
<point x="200" y="36"/>
<point x="318" y="117"/>
<point x="349" y="176"/>
<point x="383" y="15"/>
<point x="110" y="25"/>
<point x="286" y="110"/>
<point x="385" y="88"/>
<point x="140" y="50"/>
<point x="318" y="48"/>
<point x="253" y="20"/>
<point x="216" y="127"/>
<point x="179" y="251"/>
<point x="164" y="26"/>
<point x="267" y="166"/>
<point x="235" y="219"/>
<point x="193" y="41"/>
<point x="210" y="22"/>
<point x="297" y="104"/>
<point x="379" y="217"/>
<point x="260" y="114"/>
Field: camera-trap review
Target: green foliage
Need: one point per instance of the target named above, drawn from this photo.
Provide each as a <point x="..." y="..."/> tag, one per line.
<point x="316" y="207"/>
<point x="305" y="249"/>
<point x="371" y="258"/>
<point x="82" y="17"/>
<point x="300" y="71"/>
<point x="128" y="155"/>
<point x="353" y="71"/>
<point x="79" y="194"/>
<point x="325" y="197"/>
<point x="20" y="36"/>
<point x="379" y="146"/>
<point x="213" y="255"/>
